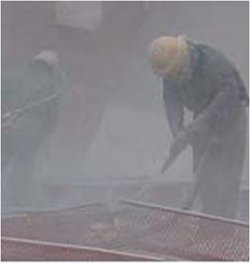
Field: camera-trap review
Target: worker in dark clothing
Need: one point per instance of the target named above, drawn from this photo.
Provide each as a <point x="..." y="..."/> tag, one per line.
<point x="29" y="115"/>
<point x="202" y="80"/>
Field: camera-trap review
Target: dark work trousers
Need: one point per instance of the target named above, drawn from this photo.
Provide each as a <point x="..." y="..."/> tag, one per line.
<point x="219" y="174"/>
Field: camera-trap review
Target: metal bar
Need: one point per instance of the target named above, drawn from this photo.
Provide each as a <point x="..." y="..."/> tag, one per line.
<point x="180" y="211"/>
<point x="16" y="113"/>
<point x="77" y="247"/>
<point x="51" y="211"/>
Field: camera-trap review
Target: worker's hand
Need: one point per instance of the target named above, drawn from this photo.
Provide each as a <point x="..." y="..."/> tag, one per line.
<point x="180" y="142"/>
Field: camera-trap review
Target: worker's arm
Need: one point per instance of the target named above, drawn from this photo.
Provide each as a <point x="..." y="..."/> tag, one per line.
<point x="175" y="115"/>
<point x="173" y="106"/>
<point x="216" y="119"/>
<point x="219" y="114"/>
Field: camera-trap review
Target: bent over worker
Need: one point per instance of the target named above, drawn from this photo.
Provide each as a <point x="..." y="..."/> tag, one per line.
<point x="29" y="116"/>
<point x="201" y="79"/>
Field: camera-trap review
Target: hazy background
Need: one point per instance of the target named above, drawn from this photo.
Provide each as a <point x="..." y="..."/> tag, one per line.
<point x="111" y="120"/>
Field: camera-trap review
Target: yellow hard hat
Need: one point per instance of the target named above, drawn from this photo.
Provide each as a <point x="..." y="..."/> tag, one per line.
<point x="169" y="56"/>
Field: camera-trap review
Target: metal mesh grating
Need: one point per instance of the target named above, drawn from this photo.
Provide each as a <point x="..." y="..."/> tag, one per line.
<point x="185" y="235"/>
<point x="24" y="250"/>
<point x="133" y="228"/>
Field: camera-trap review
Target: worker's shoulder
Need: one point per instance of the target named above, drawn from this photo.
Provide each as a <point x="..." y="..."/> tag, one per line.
<point x="214" y="56"/>
<point x="215" y="63"/>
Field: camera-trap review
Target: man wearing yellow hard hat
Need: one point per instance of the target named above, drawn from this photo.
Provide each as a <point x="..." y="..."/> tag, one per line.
<point x="202" y="80"/>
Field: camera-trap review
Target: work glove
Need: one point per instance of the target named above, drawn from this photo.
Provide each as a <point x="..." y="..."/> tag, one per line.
<point x="180" y="142"/>
<point x="194" y="131"/>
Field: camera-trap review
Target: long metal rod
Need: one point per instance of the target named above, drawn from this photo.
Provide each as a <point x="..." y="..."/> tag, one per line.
<point x="181" y="211"/>
<point x="16" y="113"/>
<point x="77" y="247"/>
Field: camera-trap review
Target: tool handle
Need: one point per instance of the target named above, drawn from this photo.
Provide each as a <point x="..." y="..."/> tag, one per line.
<point x="18" y="112"/>
<point x="169" y="161"/>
